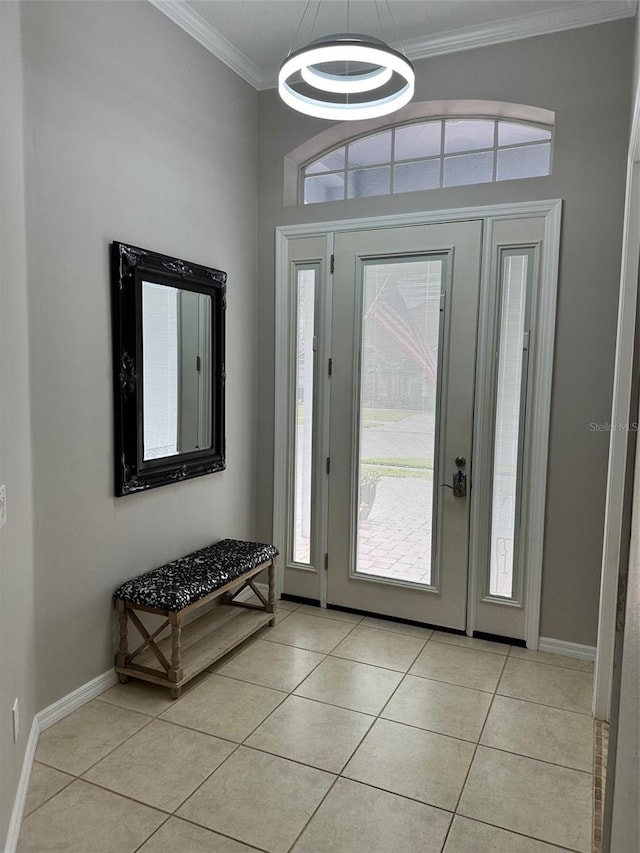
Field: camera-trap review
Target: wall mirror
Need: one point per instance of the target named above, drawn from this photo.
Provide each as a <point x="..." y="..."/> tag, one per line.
<point x="168" y="364"/>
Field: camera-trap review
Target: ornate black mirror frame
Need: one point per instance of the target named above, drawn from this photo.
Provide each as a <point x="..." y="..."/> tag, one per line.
<point x="130" y="266"/>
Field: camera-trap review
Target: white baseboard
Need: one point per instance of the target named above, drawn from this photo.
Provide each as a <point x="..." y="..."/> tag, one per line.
<point x="15" y="823"/>
<point x="76" y="699"/>
<point x="570" y="650"/>
<point x="55" y="712"/>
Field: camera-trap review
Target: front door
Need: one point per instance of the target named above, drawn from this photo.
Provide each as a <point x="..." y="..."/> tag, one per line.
<point x="403" y="331"/>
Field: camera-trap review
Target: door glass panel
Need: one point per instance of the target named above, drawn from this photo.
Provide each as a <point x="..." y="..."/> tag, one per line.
<point x="303" y="369"/>
<point x="508" y="420"/>
<point x="397" y="446"/>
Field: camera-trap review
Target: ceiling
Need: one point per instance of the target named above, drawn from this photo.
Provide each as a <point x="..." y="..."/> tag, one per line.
<point x="254" y="36"/>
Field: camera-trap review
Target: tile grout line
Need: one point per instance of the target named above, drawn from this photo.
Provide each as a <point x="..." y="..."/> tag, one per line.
<point x="313" y="814"/>
<point x="346" y="763"/>
<point x="71" y="781"/>
<point x="475" y="751"/>
<point x="291" y="692"/>
<point x="518" y="833"/>
<point x="551" y="663"/>
<point x="375" y="718"/>
<point x="149" y="837"/>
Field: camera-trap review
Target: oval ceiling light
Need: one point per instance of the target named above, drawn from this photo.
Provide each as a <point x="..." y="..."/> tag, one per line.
<point x="354" y="65"/>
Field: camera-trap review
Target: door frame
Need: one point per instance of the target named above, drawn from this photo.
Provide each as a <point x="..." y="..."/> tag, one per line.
<point x="619" y="470"/>
<point x="550" y="210"/>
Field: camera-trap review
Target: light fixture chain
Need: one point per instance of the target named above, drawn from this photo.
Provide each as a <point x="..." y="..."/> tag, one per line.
<point x="315" y="18"/>
<point x="293" y="43"/>
<point x="379" y="20"/>
<point x="393" y="21"/>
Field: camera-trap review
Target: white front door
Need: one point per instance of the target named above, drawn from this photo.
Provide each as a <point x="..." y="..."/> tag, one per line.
<point x="405" y="309"/>
<point x="412" y="419"/>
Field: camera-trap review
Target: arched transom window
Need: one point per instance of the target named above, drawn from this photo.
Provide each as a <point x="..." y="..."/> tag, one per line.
<point x="427" y="155"/>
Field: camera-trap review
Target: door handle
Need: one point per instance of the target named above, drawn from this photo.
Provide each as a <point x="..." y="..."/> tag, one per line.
<point x="459" y="480"/>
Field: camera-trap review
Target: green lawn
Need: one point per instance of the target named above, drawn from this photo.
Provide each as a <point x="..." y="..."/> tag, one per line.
<point x="375" y="417"/>
<point x="405" y="473"/>
<point x="400" y="461"/>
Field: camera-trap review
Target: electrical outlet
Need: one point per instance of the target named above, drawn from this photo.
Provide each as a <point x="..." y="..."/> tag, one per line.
<point x="16" y="720"/>
<point x="3" y="504"/>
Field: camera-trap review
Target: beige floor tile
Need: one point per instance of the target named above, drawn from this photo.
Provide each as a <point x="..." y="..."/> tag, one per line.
<point x="457" y="665"/>
<point x="280" y="616"/>
<point x="328" y="613"/>
<point x="83" y="818"/>
<point x="412" y="762"/>
<point x="43" y="784"/>
<point x="161" y="765"/>
<point x="552" y="660"/>
<point x="272" y="665"/>
<point x="537" y="731"/>
<point x="87" y="735"/>
<point x="470" y="643"/>
<point x="309" y="632"/>
<point x="549" y="685"/>
<point x="355" y="818"/>
<point x="546" y="802"/>
<point x="139" y="696"/>
<point x="259" y="799"/>
<point x="313" y="733"/>
<point x="380" y="648"/>
<point x="349" y="684"/>
<point x="225" y="707"/>
<point x="397" y="627"/>
<point x="469" y="836"/>
<point x="178" y="835"/>
<point x="439" y="707"/>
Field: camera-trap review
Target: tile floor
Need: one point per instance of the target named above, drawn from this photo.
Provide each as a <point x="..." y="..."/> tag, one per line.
<point x="328" y="734"/>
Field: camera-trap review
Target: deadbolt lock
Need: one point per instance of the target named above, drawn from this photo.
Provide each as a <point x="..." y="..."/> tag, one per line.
<point x="459" y="484"/>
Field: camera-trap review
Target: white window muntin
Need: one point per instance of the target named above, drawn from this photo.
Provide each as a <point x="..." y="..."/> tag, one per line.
<point x="441" y="157"/>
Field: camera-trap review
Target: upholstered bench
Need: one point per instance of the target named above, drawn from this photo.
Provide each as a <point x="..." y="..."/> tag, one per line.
<point x="182" y="587"/>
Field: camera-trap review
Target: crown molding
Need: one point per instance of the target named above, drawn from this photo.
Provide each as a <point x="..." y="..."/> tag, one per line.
<point x="466" y="38"/>
<point x="210" y="38"/>
<point x="524" y="26"/>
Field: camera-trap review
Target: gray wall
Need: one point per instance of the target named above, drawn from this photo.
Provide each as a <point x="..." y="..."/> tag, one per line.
<point x="584" y="76"/>
<point x="133" y="132"/>
<point x="17" y="657"/>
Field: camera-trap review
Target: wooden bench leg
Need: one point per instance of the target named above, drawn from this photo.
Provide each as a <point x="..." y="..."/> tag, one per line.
<point x="123" y="649"/>
<point x="271" y="606"/>
<point x="175" y="672"/>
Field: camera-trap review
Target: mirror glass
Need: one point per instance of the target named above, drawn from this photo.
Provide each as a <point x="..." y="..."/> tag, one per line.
<point x="176" y="358"/>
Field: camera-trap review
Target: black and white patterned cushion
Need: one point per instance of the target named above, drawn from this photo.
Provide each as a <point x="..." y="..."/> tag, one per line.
<point x="182" y="582"/>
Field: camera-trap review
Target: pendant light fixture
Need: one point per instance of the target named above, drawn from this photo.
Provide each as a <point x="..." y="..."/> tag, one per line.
<point x="346" y="76"/>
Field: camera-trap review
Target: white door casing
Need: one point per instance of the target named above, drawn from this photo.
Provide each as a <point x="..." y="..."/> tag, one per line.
<point x="312" y="583"/>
